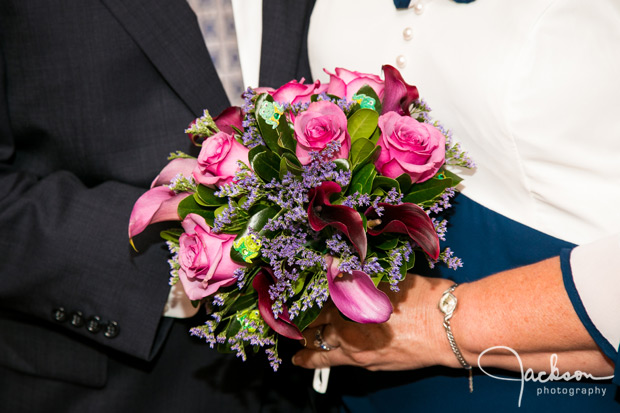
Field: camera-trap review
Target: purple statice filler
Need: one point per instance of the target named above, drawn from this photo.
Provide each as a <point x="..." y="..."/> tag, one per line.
<point x="443" y="202"/>
<point x="397" y="258"/>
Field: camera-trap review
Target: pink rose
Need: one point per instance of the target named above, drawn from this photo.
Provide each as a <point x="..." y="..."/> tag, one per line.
<point x="345" y="83"/>
<point x="204" y="258"/>
<point x="408" y="146"/>
<point x="294" y="91"/>
<point x="322" y="123"/>
<point x="217" y="160"/>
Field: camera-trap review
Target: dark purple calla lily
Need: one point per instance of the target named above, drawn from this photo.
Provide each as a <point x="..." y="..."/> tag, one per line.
<point x="397" y="95"/>
<point x="407" y="219"/>
<point x="281" y="325"/>
<point x="356" y="295"/>
<point x="321" y="213"/>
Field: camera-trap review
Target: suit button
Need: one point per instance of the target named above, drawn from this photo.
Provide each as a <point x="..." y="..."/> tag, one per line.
<point x="59" y="314"/>
<point x="111" y="329"/>
<point x="77" y="319"/>
<point x="93" y="324"/>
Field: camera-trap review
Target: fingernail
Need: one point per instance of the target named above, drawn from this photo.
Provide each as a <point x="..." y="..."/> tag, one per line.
<point x="294" y="360"/>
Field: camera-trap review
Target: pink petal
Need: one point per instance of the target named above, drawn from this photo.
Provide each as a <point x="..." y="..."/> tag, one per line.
<point x="183" y="166"/>
<point x="232" y="116"/>
<point x="356" y="296"/>
<point x="156" y="205"/>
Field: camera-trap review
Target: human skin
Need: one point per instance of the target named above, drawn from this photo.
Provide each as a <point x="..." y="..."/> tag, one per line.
<point x="526" y="309"/>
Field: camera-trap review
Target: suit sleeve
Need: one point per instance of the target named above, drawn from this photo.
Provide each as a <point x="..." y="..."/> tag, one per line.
<point x="64" y="247"/>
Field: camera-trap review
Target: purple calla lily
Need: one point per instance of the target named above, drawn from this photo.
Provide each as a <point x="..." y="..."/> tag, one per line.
<point x="281" y="325"/>
<point x="232" y="116"/>
<point x="407" y="219"/>
<point x="397" y="95"/>
<point x="356" y="295"/>
<point x="321" y="213"/>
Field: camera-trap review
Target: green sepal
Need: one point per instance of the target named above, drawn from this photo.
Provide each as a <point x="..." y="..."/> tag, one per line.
<point x="362" y="124"/>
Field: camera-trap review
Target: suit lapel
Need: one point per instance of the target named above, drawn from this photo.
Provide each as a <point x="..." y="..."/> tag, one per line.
<point x="284" y="44"/>
<point x="168" y="33"/>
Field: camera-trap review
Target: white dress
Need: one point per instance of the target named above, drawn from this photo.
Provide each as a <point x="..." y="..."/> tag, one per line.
<point x="531" y="88"/>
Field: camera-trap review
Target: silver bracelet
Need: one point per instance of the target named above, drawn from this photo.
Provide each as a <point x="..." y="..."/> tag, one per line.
<point x="447" y="305"/>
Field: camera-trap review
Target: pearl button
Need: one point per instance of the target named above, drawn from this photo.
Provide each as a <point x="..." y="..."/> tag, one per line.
<point x="408" y="33"/>
<point x="418" y="8"/>
<point x="401" y="61"/>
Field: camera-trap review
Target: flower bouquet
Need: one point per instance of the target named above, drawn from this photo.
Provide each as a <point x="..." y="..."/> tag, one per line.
<point x="309" y="192"/>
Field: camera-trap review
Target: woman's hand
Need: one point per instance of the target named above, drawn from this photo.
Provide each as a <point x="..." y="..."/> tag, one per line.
<point x="526" y="309"/>
<point x="412" y="338"/>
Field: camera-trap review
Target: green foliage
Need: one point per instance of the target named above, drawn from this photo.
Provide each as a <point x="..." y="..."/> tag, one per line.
<point x="362" y="124"/>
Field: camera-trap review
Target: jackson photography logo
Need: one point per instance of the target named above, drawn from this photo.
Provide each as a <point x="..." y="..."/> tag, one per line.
<point x="528" y="375"/>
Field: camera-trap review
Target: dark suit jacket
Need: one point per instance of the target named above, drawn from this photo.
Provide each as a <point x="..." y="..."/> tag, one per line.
<point x="94" y="95"/>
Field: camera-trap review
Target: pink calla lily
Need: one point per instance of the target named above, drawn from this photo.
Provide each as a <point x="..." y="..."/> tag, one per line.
<point x="281" y="325"/>
<point x="407" y="219"/>
<point x="397" y="95"/>
<point x="183" y="166"/>
<point x="156" y="205"/>
<point x="356" y="295"/>
<point x="321" y="213"/>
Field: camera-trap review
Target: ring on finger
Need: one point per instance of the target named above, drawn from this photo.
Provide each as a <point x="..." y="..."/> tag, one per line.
<point x="319" y="342"/>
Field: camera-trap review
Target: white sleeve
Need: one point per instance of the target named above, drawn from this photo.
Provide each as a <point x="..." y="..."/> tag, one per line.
<point x="597" y="280"/>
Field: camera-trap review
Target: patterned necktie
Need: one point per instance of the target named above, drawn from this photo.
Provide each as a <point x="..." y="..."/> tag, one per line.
<point x="217" y="24"/>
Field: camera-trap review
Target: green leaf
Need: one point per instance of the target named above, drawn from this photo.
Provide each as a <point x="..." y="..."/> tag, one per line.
<point x="255" y="151"/>
<point x="362" y="181"/>
<point x="363" y="151"/>
<point x="290" y="163"/>
<point x="267" y="166"/>
<point x="171" y="234"/>
<point x="264" y="107"/>
<point x="190" y="206"/>
<point x="425" y="193"/>
<point x="342" y="164"/>
<point x="362" y="124"/>
<point x="305" y="318"/>
<point x="405" y="183"/>
<point x="385" y="183"/>
<point x="370" y="92"/>
<point x="205" y="197"/>
<point x="388" y="244"/>
<point x="256" y="224"/>
<point x="286" y="138"/>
